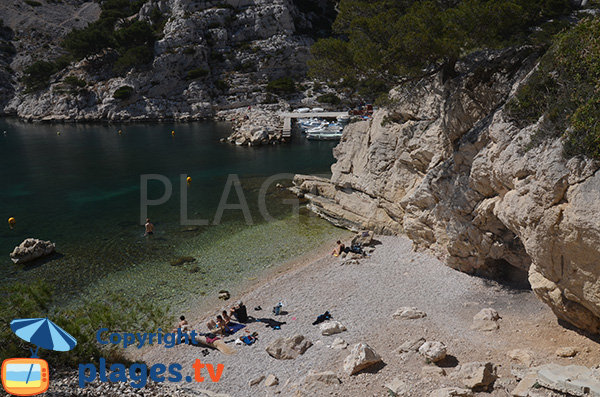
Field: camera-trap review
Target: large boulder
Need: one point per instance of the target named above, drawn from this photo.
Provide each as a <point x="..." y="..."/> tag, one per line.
<point x="433" y="351"/>
<point x="332" y="328"/>
<point x="288" y="348"/>
<point x="362" y="356"/>
<point x="31" y="249"/>
<point x="477" y="375"/>
<point x="486" y="320"/>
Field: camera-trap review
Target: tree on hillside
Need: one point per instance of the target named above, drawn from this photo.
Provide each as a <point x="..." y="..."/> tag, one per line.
<point x="380" y="42"/>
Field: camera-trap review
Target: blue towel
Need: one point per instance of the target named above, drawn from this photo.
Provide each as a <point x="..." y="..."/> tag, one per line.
<point x="235" y="327"/>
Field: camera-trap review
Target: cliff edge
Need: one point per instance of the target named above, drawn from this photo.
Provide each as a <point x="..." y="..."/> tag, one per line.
<point x="445" y="164"/>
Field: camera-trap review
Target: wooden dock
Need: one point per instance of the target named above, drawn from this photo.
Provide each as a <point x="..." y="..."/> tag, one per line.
<point x="287" y="119"/>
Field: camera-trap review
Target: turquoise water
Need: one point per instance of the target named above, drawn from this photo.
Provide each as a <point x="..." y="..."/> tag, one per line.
<point x="82" y="190"/>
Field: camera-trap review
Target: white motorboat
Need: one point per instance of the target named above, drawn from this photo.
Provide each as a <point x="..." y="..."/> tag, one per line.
<point x="307" y="124"/>
<point x="325" y="135"/>
<point x="326" y="127"/>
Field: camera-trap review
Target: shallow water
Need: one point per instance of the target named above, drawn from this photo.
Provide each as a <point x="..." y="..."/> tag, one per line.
<point x="82" y="189"/>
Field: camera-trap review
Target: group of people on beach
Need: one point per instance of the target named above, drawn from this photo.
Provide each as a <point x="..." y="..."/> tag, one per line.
<point x="224" y="320"/>
<point x="340" y="248"/>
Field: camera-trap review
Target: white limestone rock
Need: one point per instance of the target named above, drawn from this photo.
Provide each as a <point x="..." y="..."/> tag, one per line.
<point x="31" y="249"/>
<point x="332" y="328"/>
<point x="433" y="351"/>
<point x="362" y="356"/>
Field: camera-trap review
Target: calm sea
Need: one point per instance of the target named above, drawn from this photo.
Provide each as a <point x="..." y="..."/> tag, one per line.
<point x="82" y="190"/>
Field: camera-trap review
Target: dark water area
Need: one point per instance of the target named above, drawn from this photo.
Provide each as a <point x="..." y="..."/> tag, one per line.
<point x="81" y="186"/>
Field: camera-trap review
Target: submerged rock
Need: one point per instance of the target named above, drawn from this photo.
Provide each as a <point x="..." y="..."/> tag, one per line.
<point x="182" y="260"/>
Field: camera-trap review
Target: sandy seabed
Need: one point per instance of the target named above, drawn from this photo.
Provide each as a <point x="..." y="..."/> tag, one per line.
<point x="363" y="298"/>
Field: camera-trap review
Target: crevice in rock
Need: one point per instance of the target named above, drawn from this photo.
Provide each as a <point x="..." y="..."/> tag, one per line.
<point x="504" y="273"/>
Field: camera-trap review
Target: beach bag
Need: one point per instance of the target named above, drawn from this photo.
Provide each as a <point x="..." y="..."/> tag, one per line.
<point x="248" y="339"/>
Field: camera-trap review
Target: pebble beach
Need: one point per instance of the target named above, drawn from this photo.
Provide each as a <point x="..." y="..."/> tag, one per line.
<point x="363" y="297"/>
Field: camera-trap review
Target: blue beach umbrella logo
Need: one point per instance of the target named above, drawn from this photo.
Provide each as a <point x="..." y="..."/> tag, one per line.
<point x="29" y="376"/>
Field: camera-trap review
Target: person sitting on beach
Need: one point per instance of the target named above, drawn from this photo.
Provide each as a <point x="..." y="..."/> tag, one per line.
<point x="239" y="312"/>
<point x="183" y="324"/>
<point x="339" y="249"/>
<point x="226" y="317"/>
<point x="149" y="228"/>
<point x="219" y="326"/>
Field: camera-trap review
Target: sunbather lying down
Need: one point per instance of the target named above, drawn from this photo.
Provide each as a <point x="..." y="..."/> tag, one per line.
<point x="215" y="344"/>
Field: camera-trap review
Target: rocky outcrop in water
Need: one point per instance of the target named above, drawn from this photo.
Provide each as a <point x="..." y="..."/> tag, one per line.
<point x="212" y="55"/>
<point x="32" y="249"/>
<point x="254" y="127"/>
<point x="447" y="166"/>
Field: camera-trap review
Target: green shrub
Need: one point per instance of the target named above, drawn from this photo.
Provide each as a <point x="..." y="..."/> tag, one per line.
<point x="222" y="85"/>
<point x="37" y="75"/>
<point x="282" y="86"/>
<point x="269" y="99"/>
<point x="123" y="92"/>
<point x="196" y="74"/>
<point x="329" y="98"/>
<point x="74" y="81"/>
<point x="131" y="57"/>
<point x="564" y="90"/>
<point x="33" y="3"/>
<point x="34" y="300"/>
<point x="189" y="51"/>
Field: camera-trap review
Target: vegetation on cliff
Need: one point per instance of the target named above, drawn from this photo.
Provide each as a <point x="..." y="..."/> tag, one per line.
<point x="133" y="40"/>
<point x="378" y="43"/>
<point x="565" y="90"/>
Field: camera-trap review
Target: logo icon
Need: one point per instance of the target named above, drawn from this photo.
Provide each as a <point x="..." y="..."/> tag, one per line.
<point x="30" y="376"/>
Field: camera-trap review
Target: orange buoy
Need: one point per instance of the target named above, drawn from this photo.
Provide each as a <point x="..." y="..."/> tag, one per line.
<point x="189" y="180"/>
<point x="11" y="222"/>
<point x="172" y="133"/>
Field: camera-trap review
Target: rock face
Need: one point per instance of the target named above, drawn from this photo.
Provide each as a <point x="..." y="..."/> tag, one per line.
<point x="233" y="49"/>
<point x="448" y="167"/>
<point x="255" y="127"/>
<point x="31" y="249"/>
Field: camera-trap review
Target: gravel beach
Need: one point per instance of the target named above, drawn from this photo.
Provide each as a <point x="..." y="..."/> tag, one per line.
<point x="363" y="297"/>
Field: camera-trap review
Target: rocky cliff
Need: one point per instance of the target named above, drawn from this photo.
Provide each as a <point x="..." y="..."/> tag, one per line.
<point x="212" y="55"/>
<point x="447" y="166"/>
